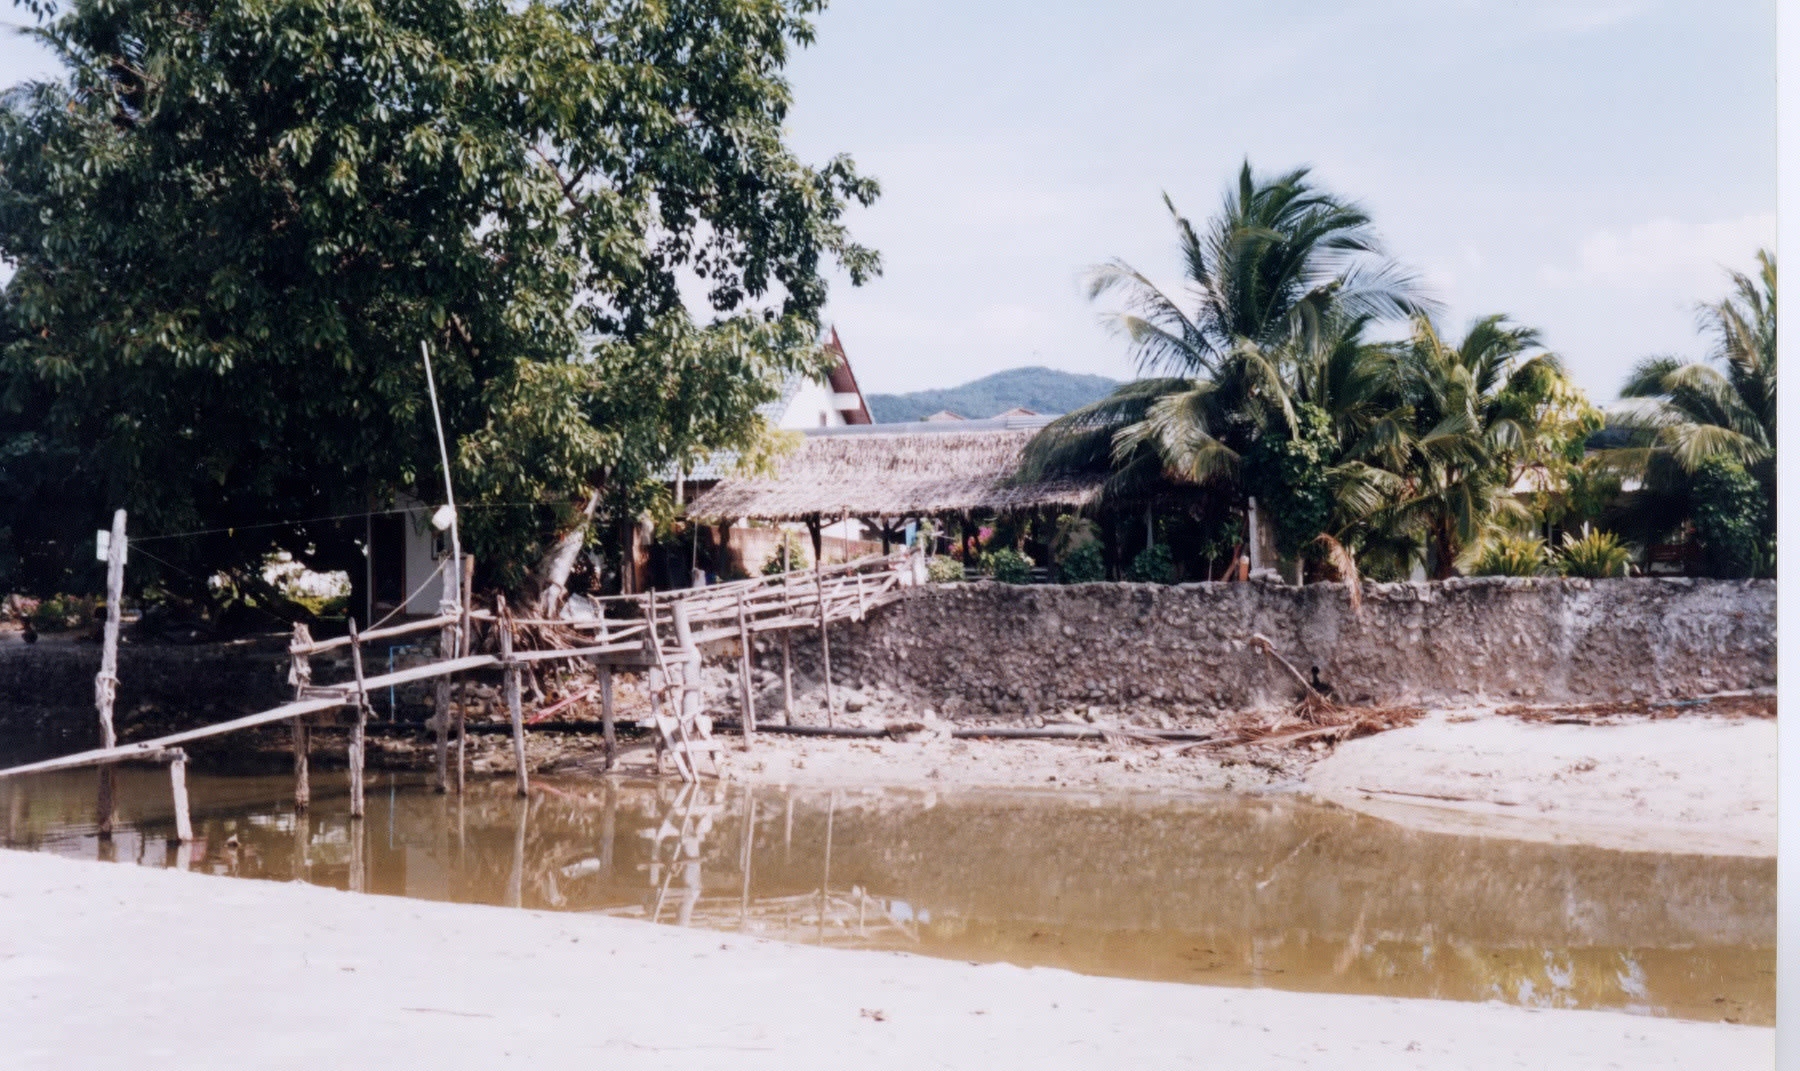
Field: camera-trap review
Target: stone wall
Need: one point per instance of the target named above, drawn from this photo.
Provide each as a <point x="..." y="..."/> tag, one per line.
<point x="993" y="649"/>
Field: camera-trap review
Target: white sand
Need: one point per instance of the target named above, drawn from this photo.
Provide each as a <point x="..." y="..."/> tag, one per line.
<point x="1689" y="784"/>
<point x="121" y="966"/>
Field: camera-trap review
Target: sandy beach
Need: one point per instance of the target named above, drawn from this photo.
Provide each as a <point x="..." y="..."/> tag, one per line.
<point x="105" y="965"/>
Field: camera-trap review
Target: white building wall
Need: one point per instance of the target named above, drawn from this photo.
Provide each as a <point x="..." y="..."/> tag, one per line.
<point x="814" y="406"/>
<point x="423" y="547"/>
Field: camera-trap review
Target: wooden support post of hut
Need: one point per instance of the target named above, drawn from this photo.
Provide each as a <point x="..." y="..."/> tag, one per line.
<point x="300" y="676"/>
<point x="358" y="730"/>
<point x="513" y="713"/>
<point x="106" y="682"/>
<point x="749" y="713"/>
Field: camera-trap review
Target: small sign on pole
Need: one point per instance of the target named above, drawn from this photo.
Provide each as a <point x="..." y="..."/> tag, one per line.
<point x="103" y="545"/>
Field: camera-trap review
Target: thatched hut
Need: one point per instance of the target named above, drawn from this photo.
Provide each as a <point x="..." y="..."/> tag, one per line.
<point x="888" y="475"/>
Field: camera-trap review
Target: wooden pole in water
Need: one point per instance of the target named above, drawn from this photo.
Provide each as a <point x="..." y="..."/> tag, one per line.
<point x="184" y="826"/>
<point x="744" y="673"/>
<point x="512" y="694"/>
<point x="106" y="682"/>
<point x="467" y="592"/>
<point x="300" y="676"/>
<point x="359" y="731"/>
<point x="606" y="712"/>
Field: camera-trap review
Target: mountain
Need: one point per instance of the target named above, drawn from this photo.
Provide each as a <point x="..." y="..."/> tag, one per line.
<point x="1044" y="390"/>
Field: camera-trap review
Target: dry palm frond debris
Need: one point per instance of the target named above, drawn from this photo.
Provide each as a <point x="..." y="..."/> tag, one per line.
<point x="1323" y="723"/>
<point x="1735" y="704"/>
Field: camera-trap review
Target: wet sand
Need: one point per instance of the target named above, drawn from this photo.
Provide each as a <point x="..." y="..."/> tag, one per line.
<point x="1700" y="784"/>
<point x="195" y="971"/>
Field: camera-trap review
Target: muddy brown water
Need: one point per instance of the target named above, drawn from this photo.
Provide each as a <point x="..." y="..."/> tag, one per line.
<point x="1268" y="891"/>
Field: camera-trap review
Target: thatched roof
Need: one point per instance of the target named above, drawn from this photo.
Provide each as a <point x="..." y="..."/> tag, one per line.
<point x="876" y="474"/>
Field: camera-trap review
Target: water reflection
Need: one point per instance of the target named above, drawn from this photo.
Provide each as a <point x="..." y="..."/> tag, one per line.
<point x="1264" y="892"/>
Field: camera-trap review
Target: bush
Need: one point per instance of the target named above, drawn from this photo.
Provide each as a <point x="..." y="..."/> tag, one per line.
<point x="1729" y="508"/>
<point x="943" y="569"/>
<point x="1155" y="564"/>
<point x="1007" y="566"/>
<point x="771" y="566"/>
<point x="1513" y="556"/>
<point x="1083" y="565"/>
<point x="60" y="612"/>
<point x="1595" y="555"/>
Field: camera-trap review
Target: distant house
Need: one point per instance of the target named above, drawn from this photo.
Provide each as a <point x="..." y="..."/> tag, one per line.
<point x="942" y="415"/>
<point x="1020" y="411"/>
<point x="884" y="478"/>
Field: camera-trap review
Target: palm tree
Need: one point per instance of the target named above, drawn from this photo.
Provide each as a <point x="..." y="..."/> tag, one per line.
<point x="1471" y="416"/>
<point x="1280" y="264"/>
<point x="1698" y="410"/>
<point x="1708" y="415"/>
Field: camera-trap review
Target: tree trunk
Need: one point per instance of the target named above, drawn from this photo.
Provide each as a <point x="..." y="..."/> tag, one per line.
<point x="552" y="572"/>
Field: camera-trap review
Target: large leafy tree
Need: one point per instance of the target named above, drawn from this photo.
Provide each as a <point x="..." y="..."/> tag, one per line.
<point x="1710" y="416"/>
<point x="234" y="222"/>
<point x="1286" y="272"/>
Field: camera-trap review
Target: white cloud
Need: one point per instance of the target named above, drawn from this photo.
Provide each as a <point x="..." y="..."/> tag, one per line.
<point x="1666" y="254"/>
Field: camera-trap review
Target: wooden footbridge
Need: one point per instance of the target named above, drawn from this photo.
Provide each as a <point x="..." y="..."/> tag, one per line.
<point x="658" y="634"/>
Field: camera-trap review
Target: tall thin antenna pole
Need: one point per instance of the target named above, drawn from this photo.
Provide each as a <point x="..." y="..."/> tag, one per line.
<point x="452" y="575"/>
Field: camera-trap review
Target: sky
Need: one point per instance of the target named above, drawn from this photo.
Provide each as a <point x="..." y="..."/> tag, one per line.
<point x="1591" y="168"/>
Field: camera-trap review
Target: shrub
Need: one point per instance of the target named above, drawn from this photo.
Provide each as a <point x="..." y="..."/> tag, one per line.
<point x="1083" y="565"/>
<point x="1155" y="564"/>
<point x="60" y="612"/>
<point x="943" y="569"/>
<point x="1513" y="556"/>
<point x="1007" y="566"/>
<point x="1595" y="555"/>
<point x="1729" y="508"/>
<point x="796" y="556"/>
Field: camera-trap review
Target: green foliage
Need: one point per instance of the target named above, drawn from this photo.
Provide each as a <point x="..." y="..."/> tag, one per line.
<point x="1690" y="418"/>
<point x="1729" y="508"/>
<point x="1042" y="390"/>
<point x="796" y="555"/>
<point x="1082" y="565"/>
<point x="1007" y="566"/>
<point x="1288" y="475"/>
<point x="943" y="569"/>
<point x="234" y="225"/>
<point x="1595" y="555"/>
<point x="1153" y="565"/>
<point x="1513" y="555"/>
<point x="59" y="612"/>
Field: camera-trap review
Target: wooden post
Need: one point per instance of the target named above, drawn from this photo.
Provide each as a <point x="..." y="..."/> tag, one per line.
<point x="787" y="677"/>
<point x="106" y="682"/>
<point x="358" y="732"/>
<point x="512" y="693"/>
<point x="824" y="648"/>
<point x="606" y="713"/>
<point x="787" y="645"/>
<point x="744" y="673"/>
<point x="463" y="647"/>
<point x="300" y="676"/>
<point x="184" y="826"/>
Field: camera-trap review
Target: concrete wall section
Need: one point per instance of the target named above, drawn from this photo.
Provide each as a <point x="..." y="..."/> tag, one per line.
<point x="995" y="649"/>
